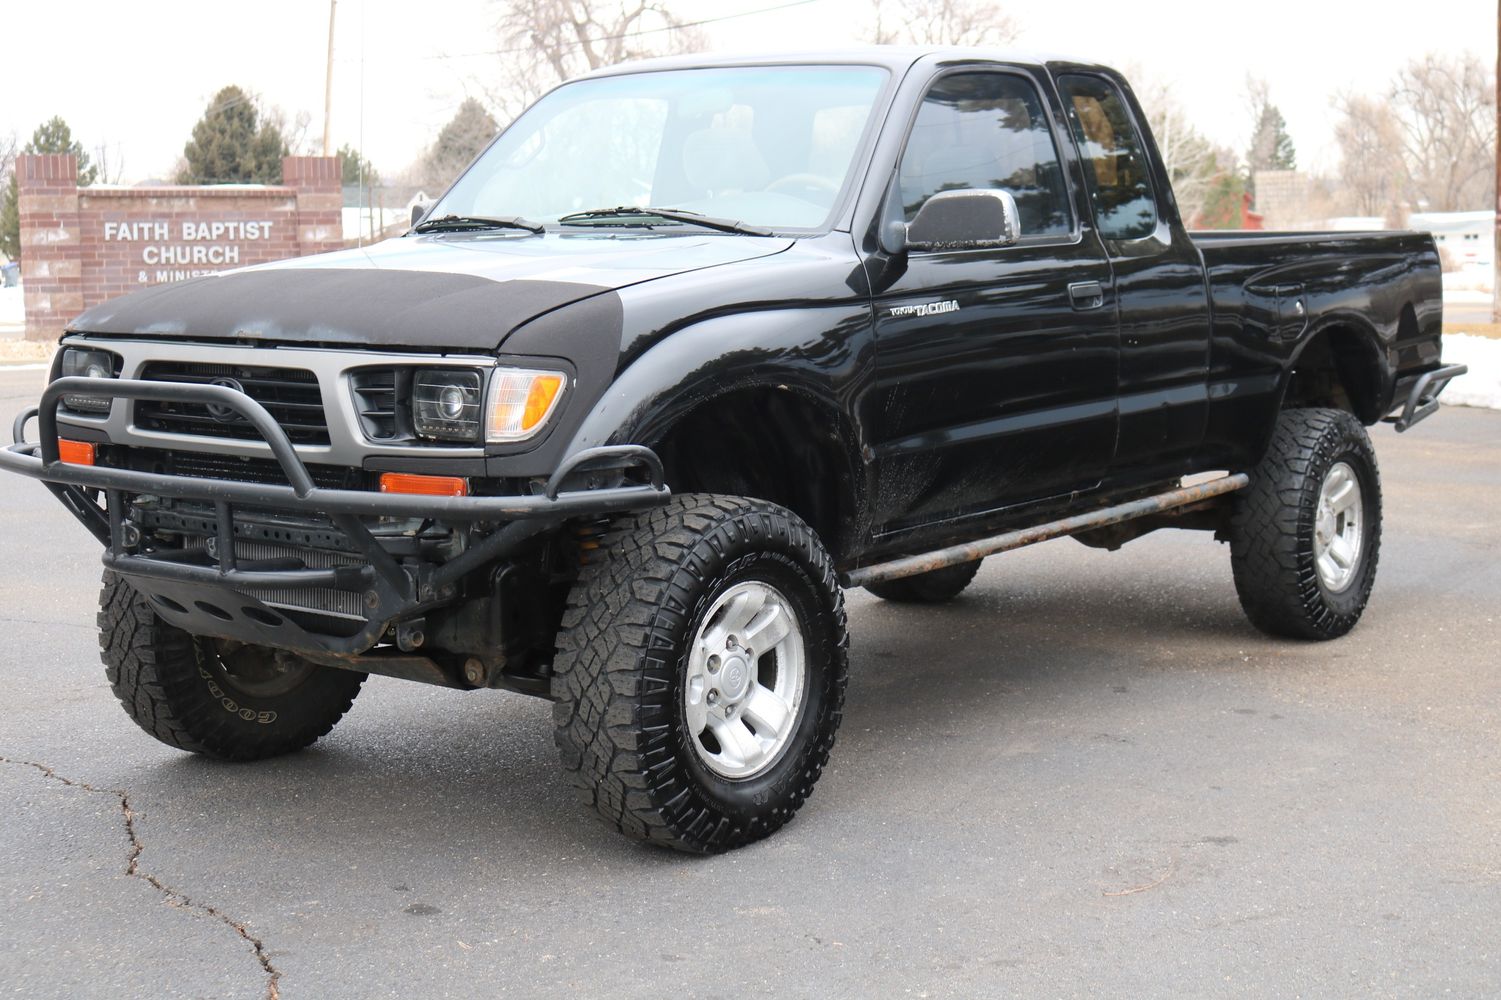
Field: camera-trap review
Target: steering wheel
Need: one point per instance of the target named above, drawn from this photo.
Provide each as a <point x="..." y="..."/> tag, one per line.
<point x="802" y="182"/>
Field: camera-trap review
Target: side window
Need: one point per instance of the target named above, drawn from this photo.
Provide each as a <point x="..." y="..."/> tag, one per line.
<point x="1114" y="163"/>
<point x="987" y="130"/>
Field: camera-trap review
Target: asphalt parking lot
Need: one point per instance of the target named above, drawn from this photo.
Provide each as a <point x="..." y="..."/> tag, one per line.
<point x="1087" y="777"/>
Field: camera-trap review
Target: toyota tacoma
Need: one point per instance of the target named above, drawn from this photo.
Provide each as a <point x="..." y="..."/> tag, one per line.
<point x="692" y="346"/>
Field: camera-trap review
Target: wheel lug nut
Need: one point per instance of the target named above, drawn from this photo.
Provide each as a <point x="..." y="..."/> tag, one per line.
<point x="713" y="663"/>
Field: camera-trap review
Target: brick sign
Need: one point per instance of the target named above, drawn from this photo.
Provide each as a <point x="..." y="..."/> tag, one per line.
<point x="80" y="246"/>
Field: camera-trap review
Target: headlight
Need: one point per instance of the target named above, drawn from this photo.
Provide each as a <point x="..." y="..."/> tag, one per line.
<point x="90" y="364"/>
<point x="521" y="400"/>
<point x="446" y="404"/>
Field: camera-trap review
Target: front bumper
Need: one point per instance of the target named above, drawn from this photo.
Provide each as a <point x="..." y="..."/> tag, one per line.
<point x="204" y="596"/>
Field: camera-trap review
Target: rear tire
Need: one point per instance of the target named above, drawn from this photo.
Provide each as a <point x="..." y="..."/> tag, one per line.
<point x="1305" y="536"/>
<point x="210" y="697"/>
<point x="700" y="672"/>
<point x="933" y="587"/>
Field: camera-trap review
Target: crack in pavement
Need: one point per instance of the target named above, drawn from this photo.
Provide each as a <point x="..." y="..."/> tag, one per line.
<point x="175" y="897"/>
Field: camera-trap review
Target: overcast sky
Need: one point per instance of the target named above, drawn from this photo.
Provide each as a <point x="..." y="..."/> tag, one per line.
<point x="135" y="76"/>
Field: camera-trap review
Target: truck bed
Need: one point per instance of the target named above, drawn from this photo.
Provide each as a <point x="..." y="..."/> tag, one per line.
<point x="1375" y="296"/>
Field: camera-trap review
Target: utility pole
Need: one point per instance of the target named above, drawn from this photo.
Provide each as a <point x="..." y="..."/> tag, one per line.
<point x="328" y="86"/>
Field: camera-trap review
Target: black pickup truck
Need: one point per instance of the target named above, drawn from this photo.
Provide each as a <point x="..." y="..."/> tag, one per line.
<point x="689" y="348"/>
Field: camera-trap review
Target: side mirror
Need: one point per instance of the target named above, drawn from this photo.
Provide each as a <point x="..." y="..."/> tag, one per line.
<point x="969" y="219"/>
<point x="418" y="211"/>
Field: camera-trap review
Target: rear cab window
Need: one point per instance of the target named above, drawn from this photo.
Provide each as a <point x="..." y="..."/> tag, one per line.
<point x="1115" y="163"/>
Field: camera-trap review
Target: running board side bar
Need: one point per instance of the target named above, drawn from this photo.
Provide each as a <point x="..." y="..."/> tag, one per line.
<point x="970" y="551"/>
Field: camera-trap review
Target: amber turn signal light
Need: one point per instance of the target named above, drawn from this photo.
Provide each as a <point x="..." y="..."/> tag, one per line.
<point x="423" y="486"/>
<point x="521" y="400"/>
<point x="75" y="452"/>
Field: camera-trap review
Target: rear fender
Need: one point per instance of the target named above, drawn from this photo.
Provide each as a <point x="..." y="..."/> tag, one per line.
<point x="1359" y="358"/>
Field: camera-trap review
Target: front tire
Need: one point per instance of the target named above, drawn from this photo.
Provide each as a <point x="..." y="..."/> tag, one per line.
<point x="1305" y="536"/>
<point x="700" y="672"/>
<point x="210" y="696"/>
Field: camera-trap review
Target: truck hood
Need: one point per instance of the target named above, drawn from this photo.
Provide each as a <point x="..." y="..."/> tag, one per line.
<point x="460" y="291"/>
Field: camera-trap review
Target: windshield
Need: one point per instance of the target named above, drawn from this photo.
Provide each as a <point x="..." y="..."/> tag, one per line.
<point x="770" y="146"/>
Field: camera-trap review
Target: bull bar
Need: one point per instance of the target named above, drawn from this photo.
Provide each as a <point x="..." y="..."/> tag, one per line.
<point x="202" y="598"/>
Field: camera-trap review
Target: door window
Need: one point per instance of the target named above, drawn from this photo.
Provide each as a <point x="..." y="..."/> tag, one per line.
<point x="1114" y="163"/>
<point x="987" y="131"/>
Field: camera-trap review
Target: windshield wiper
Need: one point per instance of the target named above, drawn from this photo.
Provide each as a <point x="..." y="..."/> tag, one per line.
<point x="474" y="223"/>
<point x="670" y="214"/>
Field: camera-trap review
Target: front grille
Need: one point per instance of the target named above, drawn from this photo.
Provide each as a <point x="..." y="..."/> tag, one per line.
<point x="319" y="600"/>
<point x="290" y="395"/>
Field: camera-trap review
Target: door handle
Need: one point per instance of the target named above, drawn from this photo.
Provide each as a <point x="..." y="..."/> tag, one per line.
<point x="1086" y="294"/>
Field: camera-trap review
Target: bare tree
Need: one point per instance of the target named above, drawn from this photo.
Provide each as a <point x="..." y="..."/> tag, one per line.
<point x="1373" y="169"/>
<point x="544" y="42"/>
<point x="294" y="130"/>
<point x="1191" y="160"/>
<point x="1445" y="110"/>
<point x="941" y="22"/>
<point x="111" y="164"/>
<point x="9" y="145"/>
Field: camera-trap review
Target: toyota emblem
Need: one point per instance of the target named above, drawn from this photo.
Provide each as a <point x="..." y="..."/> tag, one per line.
<point x="225" y="414"/>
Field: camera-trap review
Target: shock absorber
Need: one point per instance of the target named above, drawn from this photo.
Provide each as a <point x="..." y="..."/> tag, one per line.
<point x="588" y="537"/>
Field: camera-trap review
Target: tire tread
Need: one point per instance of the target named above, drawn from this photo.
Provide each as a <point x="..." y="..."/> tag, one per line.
<point x="611" y="682"/>
<point x="152" y="668"/>
<point x="1271" y="527"/>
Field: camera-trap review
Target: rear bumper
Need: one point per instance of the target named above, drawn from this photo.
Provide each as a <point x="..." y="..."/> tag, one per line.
<point x="202" y="595"/>
<point x="1418" y="394"/>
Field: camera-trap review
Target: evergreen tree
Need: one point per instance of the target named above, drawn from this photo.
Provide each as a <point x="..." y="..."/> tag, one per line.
<point x="1223" y="202"/>
<point x="461" y="140"/>
<point x="52" y="136"/>
<point x="232" y="145"/>
<point x="350" y="162"/>
<point x="1271" y="146"/>
<point x="10" y="221"/>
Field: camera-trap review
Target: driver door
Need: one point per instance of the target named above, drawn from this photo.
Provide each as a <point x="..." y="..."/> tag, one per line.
<point x="995" y="368"/>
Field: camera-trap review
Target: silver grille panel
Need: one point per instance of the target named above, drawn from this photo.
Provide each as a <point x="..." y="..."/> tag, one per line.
<point x="348" y="445"/>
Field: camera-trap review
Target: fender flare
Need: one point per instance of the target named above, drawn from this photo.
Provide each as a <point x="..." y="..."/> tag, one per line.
<point x="1370" y="359"/>
<point x="720" y="355"/>
<point x="818" y="358"/>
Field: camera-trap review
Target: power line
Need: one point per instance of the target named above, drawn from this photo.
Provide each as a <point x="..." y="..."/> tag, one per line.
<point x="629" y="34"/>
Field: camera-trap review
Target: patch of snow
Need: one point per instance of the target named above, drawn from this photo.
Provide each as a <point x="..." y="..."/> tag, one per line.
<point x="12" y="308"/>
<point x="1468" y="281"/>
<point x="1481" y="386"/>
<point x="1466" y="297"/>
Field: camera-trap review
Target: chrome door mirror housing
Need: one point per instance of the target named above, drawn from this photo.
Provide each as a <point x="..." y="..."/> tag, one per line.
<point x="968" y="219"/>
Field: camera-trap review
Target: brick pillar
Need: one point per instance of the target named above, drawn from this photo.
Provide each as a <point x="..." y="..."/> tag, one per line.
<point x="51" y="253"/>
<point x="318" y="181"/>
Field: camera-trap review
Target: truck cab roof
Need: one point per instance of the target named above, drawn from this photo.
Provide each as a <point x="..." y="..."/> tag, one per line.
<point x="896" y="58"/>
